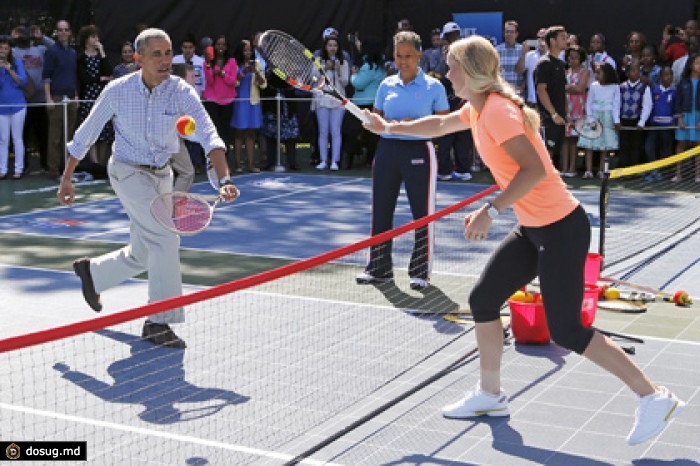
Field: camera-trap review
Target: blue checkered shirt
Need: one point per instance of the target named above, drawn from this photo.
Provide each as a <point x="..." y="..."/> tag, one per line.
<point x="509" y="58"/>
<point x="144" y="120"/>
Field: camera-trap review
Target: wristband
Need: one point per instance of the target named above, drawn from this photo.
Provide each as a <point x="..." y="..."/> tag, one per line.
<point x="387" y="128"/>
<point x="225" y="181"/>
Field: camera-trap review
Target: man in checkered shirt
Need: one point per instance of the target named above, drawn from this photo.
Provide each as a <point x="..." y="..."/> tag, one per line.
<point x="144" y="107"/>
<point x="512" y="57"/>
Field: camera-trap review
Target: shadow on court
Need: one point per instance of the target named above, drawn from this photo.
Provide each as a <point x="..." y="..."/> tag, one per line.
<point x="155" y="378"/>
<point x="433" y="300"/>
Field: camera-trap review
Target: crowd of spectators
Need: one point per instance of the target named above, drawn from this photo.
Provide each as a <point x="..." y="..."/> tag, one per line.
<point x="59" y="74"/>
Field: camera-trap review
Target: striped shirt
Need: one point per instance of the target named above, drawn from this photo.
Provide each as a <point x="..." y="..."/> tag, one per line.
<point x="509" y="58"/>
<point x="144" y="120"/>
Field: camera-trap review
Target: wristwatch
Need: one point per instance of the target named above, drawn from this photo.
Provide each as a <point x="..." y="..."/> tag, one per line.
<point x="225" y="181"/>
<point x="492" y="211"/>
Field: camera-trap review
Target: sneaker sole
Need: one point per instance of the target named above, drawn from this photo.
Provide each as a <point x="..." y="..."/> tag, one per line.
<point x="672" y="414"/>
<point x="502" y="412"/>
<point x="374" y="281"/>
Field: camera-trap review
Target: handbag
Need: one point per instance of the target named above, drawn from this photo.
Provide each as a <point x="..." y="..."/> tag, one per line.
<point x="289" y="125"/>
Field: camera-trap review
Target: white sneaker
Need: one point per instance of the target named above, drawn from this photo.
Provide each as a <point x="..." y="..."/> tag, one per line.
<point x="418" y="283"/>
<point x="444" y="177"/>
<point x="334" y="167"/>
<point x="655" y="412"/>
<point x="321" y="166"/>
<point x="478" y="403"/>
<point x="463" y="176"/>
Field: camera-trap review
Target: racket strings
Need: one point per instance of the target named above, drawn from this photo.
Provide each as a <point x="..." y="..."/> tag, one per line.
<point x="182" y="213"/>
<point x="288" y="55"/>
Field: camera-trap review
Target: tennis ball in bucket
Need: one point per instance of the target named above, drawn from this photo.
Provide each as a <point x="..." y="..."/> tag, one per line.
<point x="612" y="293"/>
<point x="522" y="297"/>
<point x="185" y="125"/>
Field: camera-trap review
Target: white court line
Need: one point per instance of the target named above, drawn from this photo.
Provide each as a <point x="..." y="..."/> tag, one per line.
<point x="160" y="434"/>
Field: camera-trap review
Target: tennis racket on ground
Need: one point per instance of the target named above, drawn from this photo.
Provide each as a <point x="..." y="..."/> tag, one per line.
<point x="184" y="213"/>
<point x="292" y="62"/>
<point x="637" y="292"/>
<point x="588" y="127"/>
<point x="620" y="305"/>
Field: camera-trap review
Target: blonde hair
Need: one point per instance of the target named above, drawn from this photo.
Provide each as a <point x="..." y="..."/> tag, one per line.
<point x="482" y="68"/>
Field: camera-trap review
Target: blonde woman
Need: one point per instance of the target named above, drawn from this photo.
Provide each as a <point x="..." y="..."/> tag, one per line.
<point x="551" y="239"/>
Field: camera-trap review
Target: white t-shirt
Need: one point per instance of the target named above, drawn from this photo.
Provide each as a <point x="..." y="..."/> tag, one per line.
<point x="198" y="63"/>
<point x="531" y="59"/>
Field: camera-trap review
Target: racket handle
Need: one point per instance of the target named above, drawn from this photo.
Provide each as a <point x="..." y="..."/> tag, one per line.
<point x="355" y="110"/>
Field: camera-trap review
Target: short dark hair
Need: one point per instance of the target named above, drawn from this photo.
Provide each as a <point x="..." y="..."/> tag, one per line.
<point x="188" y="38"/>
<point x="580" y="50"/>
<point x="609" y="74"/>
<point x="511" y="22"/>
<point x="552" y="33"/>
<point x="86" y="32"/>
<point x="180" y="69"/>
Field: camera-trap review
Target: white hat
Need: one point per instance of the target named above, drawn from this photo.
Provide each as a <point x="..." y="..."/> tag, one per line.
<point x="450" y="27"/>
<point x="328" y="32"/>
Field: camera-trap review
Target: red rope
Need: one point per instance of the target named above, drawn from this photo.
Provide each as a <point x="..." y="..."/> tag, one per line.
<point x="57" y="333"/>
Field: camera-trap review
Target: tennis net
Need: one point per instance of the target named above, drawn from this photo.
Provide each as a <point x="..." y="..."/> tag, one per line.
<point x="272" y="360"/>
<point x="647" y="212"/>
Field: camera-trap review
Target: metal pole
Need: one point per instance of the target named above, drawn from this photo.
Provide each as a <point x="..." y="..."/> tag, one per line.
<point x="603" y="211"/>
<point x="279" y="168"/>
<point x="65" y="129"/>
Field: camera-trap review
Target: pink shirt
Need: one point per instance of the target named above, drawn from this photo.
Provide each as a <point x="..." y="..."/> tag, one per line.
<point x="500" y="121"/>
<point x="218" y="89"/>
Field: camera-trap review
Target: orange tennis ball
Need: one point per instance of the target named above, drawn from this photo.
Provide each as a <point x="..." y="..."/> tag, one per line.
<point x="681" y="298"/>
<point x="185" y="125"/>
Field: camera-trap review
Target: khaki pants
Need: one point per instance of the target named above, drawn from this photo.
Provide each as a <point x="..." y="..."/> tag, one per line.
<point x="56" y="145"/>
<point x="182" y="165"/>
<point x="151" y="248"/>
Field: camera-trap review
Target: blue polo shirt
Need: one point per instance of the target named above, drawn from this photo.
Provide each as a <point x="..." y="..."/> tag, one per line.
<point x="423" y="96"/>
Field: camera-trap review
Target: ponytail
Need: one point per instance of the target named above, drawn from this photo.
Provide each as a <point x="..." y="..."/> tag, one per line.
<point x="530" y="115"/>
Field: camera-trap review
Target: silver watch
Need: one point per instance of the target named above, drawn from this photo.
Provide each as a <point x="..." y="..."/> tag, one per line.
<point x="492" y="211"/>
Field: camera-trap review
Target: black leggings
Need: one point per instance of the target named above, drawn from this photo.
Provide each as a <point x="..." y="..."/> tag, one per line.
<point x="557" y="253"/>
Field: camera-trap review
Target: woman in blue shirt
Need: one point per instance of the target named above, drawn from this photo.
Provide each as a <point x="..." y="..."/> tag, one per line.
<point x="13" y="109"/>
<point x="408" y="95"/>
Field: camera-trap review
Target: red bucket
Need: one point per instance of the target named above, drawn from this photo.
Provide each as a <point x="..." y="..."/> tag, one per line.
<point x="529" y="322"/>
<point x="591" y="271"/>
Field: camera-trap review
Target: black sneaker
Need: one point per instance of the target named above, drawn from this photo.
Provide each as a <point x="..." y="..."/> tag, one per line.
<point x="367" y="279"/>
<point x="162" y="335"/>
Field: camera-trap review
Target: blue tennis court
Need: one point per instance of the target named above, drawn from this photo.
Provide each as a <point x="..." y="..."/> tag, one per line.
<point x="272" y="370"/>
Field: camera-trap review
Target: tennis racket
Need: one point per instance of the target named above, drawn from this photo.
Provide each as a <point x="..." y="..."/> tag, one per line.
<point x="184" y="213"/>
<point x="637" y="292"/>
<point x="619" y="305"/>
<point x="292" y="62"/>
<point x="588" y="127"/>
